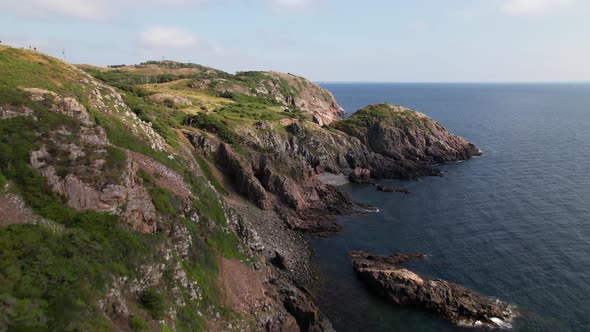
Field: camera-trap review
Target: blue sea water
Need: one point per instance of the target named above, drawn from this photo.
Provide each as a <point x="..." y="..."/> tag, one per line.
<point x="513" y="224"/>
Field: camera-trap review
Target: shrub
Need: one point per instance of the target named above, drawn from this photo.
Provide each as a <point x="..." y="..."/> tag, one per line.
<point x="153" y="301"/>
<point x="213" y="124"/>
<point x="137" y="324"/>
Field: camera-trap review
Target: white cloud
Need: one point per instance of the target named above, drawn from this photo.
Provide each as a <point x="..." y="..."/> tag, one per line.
<point x="532" y="7"/>
<point x="167" y="37"/>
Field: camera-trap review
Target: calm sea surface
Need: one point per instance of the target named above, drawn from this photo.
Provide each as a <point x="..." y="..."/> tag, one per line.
<point x="513" y="224"/>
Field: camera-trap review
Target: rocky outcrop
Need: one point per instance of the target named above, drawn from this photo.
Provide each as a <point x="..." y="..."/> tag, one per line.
<point x="462" y="306"/>
<point x="11" y="111"/>
<point x="360" y="175"/>
<point x="128" y="199"/>
<point x="403" y="134"/>
<point x="308" y="97"/>
<point x="243" y="176"/>
<point x="74" y="161"/>
<point x="170" y="100"/>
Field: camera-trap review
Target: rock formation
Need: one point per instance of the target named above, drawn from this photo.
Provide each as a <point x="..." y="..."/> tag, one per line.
<point x="384" y="276"/>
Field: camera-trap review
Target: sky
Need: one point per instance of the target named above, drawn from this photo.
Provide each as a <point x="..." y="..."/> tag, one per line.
<point x="323" y="40"/>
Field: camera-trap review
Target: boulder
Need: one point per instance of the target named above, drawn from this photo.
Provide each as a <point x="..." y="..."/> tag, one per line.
<point x="360" y="175"/>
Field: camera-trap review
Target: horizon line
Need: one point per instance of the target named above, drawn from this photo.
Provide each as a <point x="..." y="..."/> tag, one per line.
<point x="450" y="82"/>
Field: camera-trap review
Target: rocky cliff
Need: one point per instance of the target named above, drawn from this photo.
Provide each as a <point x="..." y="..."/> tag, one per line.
<point x="133" y="198"/>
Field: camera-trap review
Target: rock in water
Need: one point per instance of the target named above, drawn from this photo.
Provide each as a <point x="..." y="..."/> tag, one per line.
<point x="460" y="305"/>
<point x="360" y="175"/>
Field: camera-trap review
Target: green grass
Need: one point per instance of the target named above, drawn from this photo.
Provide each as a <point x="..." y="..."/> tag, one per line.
<point x="154" y="302"/>
<point x="227" y="243"/>
<point x="137" y="324"/>
<point x="206" y="168"/>
<point x="2" y="182"/>
<point x="358" y="123"/>
<point x="213" y="124"/>
<point x="56" y="277"/>
<point x="165" y="201"/>
<point x="122" y="78"/>
<point x="162" y="119"/>
<point x="21" y="68"/>
<point x="52" y="280"/>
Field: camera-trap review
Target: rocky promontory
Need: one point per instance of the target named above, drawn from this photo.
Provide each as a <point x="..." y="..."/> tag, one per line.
<point x="174" y="196"/>
<point x="383" y="275"/>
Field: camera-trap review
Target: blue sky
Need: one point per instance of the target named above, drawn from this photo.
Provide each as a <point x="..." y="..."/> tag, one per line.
<point x="324" y="40"/>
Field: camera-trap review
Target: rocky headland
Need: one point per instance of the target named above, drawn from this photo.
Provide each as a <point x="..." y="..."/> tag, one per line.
<point x="181" y="195"/>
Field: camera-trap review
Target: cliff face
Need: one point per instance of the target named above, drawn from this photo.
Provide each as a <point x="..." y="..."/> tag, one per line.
<point x="403" y="134"/>
<point x="159" y="182"/>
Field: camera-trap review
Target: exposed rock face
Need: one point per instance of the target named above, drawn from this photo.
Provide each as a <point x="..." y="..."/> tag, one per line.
<point x="83" y="184"/>
<point x="458" y="304"/>
<point x="403" y="134"/>
<point x="243" y="177"/>
<point x="170" y="100"/>
<point x="309" y="97"/>
<point x="10" y="111"/>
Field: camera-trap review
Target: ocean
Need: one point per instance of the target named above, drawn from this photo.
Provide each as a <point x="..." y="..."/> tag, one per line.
<point x="513" y="224"/>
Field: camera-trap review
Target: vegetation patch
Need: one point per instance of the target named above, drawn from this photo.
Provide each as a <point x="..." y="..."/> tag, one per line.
<point x="165" y="201"/>
<point x="137" y="324"/>
<point x="206" y="168"/>
<point x="154" y="302"/>
<point x="213" y="124"/>
<point x="358" y="123"/>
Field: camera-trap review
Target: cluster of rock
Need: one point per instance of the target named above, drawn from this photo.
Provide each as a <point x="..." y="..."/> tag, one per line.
<point x="170" y="100"/>
<point x="384" y="276"/>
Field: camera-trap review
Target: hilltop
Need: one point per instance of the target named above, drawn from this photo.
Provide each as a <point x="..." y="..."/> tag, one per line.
<point x="169" y="196"/>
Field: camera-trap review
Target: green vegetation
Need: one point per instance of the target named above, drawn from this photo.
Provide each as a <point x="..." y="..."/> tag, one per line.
<point x="213" y="124"/>
<point x="137" y="324"/>
<point x="164" y="200"/>
<point x="52" y="278"/>
<point x="2" y="182"/>
<point x="153" y="301"/>
<point x="357" y="124"/>
<point x="227" y="243"/>
<point x="31" y="69"/>
<point x="204" y="165"/>
<point x="162" y="119"/>
<point x="122" y="78"/>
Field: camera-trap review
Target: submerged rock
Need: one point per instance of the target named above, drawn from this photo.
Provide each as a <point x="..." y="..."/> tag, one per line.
<point x="387" y="189"/>
<point x="460" y="305"/>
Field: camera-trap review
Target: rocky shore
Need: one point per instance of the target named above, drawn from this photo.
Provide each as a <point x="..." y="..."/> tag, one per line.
<point x="383" y="275"/>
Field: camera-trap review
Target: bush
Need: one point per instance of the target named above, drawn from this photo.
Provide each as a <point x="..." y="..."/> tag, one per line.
<point x="137" y="324"/>
<point x="2" y="182"/>
<point x="153" y="301"/>
<point x="213" y="124"/>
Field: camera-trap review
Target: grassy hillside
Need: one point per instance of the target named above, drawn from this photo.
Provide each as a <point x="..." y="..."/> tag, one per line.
<point x="53" y="275"/>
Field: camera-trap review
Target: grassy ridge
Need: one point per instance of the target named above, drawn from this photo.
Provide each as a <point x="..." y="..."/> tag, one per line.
<point x="358" y="123"/>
